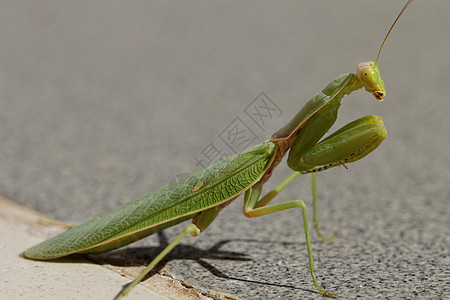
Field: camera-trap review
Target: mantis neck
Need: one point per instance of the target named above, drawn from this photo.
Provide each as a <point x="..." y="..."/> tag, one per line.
<point x="329" y="98"/>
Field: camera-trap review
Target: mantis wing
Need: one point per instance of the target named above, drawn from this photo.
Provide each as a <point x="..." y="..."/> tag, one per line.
<point x="164" y="207"/>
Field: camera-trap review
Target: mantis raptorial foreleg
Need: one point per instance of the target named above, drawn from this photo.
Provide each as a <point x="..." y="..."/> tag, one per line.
<point x="250" y="200"/>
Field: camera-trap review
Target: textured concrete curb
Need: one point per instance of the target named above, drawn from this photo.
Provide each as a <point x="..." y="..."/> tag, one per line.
<point x="21" y="228"/>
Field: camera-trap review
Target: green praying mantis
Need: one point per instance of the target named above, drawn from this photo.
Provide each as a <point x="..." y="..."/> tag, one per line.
<point x="202" y="195"/>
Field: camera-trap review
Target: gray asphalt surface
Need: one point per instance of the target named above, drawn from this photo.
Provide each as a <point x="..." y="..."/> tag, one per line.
<point x="103" y="101"/>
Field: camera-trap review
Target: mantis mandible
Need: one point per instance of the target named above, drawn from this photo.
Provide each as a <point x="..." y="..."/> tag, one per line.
<point x="202" y="195"/>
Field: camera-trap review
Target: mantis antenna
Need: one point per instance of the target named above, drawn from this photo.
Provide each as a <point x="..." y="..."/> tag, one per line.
<point x="390" y="29"/>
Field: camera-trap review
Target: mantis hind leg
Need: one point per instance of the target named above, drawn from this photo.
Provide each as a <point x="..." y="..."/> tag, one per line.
<point x="253" y="208"/>
<point x="190" y="228"/>
<point x="200" y="222"/>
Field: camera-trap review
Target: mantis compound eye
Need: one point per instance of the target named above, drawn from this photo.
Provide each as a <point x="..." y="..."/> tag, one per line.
<point x="369" y="75"/>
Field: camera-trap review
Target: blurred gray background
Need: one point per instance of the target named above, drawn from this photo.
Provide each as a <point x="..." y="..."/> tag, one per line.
<point x="103" y="101"/>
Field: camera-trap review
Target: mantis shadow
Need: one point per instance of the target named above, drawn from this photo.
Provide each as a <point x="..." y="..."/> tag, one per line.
<point x="133" y="256"/>
<point x="142" y="256"/>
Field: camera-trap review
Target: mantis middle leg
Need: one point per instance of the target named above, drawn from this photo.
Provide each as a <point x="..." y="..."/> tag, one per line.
<point x="282" y="185"/>
<point x="251" y="210"/>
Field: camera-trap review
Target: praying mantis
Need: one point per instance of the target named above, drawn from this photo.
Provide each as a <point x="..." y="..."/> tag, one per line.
<point x="201" y="196"/>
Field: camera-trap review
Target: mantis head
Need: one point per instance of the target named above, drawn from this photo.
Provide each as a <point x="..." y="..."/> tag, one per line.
<point x="369" y="75"/>
<point x="368" y="72"/>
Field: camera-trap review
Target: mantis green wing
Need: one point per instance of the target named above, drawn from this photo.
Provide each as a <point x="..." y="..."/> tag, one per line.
<point x="162" y="208"/>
